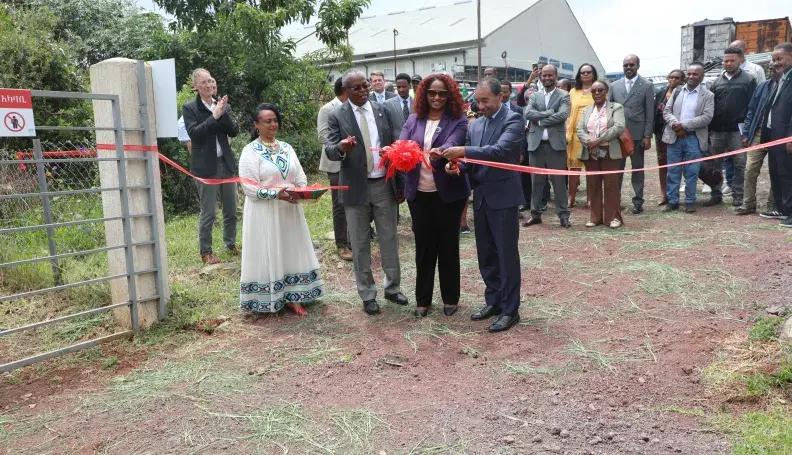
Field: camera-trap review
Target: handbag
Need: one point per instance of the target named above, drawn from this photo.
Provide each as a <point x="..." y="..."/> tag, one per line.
<point x="627" y="144"/>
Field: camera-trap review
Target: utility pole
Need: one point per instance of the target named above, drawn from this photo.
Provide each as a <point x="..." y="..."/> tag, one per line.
<point x="478" y="16"/>
<point x="395" y="34"/>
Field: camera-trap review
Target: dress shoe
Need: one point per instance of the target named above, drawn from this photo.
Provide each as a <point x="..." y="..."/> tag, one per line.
<point x="662" y="203"/>
<point x="565" y="223"/>
<point x="531" y="221"/>
<point x="371" y="307"/>
<point x="345" y="254"/>
<point x="449" y="310"/>
<point x="421" y="313"/>
<point x="690" y="208"/>
<point x="235" y="251"/>
<point x="397" y="298"/>
<point x="670" y="208"/>
<point x="209" y="259"/>
<point x="504" y="323"/>
<point x="637" y="209"/>
<point x="713" y="202"/>
<point x="486" y="313"/>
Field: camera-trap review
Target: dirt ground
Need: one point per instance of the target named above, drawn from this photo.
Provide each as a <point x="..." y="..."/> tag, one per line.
<point x="617" y="326"/>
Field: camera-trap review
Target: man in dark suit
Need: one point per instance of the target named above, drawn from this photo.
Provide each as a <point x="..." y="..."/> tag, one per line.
<point x="378" y="93"/>
<point x="547" y="112"/>
<point x="354" y="129"/>
<point x="779" y="124"/>
<point x="636" y="94"/>
<point x="498" y="136"/>
<point x="399" y="107"/>
<point x="209" y="125"/>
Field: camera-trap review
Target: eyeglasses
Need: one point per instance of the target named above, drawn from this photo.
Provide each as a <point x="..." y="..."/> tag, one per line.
<point x="585" y="73"/>
<point x="359" y="87"/>
<point x="437" y="93"/>
<point x="598" y="90"/>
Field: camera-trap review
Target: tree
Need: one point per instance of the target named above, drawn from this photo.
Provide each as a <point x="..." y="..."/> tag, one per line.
<point x="100" y="29"/>
<point x="336" y="17"/>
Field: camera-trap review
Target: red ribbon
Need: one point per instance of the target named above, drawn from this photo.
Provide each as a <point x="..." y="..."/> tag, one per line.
<point x="180" y="168"/>
<point x="544" y="171"/>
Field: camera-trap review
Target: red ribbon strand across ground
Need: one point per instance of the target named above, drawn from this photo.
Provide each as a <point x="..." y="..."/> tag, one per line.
<point x="510" y="167"/>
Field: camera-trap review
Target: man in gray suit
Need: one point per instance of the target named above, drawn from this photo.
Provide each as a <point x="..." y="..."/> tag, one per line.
<point x="333" y="168"/>
<point x="400" y="107"/>
<point x="355" y="130"/>
<point x="636" y="94"/>
<point x="687" y="118"/>
<point x="546" y="112"/>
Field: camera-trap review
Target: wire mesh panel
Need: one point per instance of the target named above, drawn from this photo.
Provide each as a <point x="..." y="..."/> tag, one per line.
<point x="57" y="241"/>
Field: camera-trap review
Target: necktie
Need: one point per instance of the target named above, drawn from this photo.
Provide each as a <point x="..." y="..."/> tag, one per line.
<point x="364" y="130"/>
<point x="405" y="110"/>
<point x="768" y="117"/>
<point x="629" y="85"/>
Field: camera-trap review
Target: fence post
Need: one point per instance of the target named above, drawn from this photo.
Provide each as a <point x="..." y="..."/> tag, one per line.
<point x="120" y="76"/>
<point x="42" y="179"/>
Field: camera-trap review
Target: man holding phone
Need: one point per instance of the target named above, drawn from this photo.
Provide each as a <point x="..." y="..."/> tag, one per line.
<point x="209" y="124"/>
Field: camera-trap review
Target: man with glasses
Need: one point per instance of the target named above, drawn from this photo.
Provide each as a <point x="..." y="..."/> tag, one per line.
<point x="355" y="133"/>
<point x="636" y="94"/>
<point x="209" y="125"/>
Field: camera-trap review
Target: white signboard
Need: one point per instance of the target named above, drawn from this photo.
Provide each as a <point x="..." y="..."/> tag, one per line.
<point x="163" y="75"/>
<point x="16" y="113"/>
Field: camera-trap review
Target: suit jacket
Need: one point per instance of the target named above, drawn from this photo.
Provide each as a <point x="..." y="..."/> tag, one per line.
<point x="354" y="173"/>
<point x="502" y="142"/>
<point x="552" y="117"/>
<point x="638" y="105"/>
<point x="614" y="114"/>
<point x="205" y="132"/>
<point x="705" y="109"/>
<point x="395" y="109"/>
<point x="755" y="117"/>
<point x="515" y="108"/>
<point x="388" y="95"/>
<point x="321" y="129"/>
<point x="451" y="132"/>
<point x="781" y="110"/>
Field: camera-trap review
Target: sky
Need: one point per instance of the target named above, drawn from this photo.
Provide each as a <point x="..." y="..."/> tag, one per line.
<point x="615" y="28"/>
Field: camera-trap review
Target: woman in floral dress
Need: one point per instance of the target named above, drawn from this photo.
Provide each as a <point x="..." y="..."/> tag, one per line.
<point x="279" y="266"/>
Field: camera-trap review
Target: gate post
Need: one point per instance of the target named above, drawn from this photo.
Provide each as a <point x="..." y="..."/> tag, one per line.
<point x="120" y="76"/>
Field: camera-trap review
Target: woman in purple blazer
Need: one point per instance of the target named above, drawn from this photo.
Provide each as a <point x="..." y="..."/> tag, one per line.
<point x="436" y="199"/>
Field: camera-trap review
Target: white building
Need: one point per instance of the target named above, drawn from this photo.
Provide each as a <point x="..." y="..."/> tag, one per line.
<point x="444" y="38"/>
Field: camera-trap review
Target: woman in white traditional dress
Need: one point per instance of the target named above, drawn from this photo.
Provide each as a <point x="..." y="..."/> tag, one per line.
<point x="279" y="266"/>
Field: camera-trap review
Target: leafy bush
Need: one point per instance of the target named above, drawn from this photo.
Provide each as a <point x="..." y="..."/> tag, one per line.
<point x="766" y="328"/>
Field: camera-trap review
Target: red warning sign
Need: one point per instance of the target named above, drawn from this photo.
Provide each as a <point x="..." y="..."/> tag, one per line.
<point x="16" y="110"/>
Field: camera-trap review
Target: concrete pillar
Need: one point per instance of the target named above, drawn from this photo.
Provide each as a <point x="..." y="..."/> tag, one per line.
<point x="120" y="76"/>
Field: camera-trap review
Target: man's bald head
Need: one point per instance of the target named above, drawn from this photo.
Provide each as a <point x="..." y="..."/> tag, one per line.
<point x="739" y="44"/>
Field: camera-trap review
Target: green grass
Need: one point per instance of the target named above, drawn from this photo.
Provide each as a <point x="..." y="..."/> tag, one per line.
<point x="759" y="433"/>
<point x="679" y="410"/>
<point x="766" y="328"/>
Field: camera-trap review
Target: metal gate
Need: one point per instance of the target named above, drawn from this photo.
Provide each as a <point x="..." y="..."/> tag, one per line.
<point x="52" y="225"/>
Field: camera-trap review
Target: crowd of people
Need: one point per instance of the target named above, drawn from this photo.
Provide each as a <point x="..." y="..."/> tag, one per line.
<point x="556" y="125"/>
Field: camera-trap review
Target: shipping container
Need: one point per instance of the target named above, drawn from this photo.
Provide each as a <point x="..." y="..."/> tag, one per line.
<point x="706" y="40"/>
<point x="763" y="36"/>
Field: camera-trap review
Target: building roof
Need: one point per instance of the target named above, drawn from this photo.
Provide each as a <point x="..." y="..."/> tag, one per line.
<point x="725" y="20"/>
<point x="432" y="26"/>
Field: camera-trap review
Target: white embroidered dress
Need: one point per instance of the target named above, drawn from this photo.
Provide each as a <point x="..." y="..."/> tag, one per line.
<point x="279" y="265"/>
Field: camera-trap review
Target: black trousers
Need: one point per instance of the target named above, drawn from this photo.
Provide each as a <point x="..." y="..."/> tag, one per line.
<point x="435" y="225"/>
